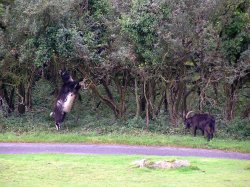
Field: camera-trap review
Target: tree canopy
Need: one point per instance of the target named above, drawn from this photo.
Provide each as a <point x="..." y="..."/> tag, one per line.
<point x="167" y="56"/>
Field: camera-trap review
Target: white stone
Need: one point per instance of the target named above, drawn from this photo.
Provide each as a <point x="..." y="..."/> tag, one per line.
<point x="180" y="163"/>
<point x="140" y="163"/>
<point x="161" y="164"/>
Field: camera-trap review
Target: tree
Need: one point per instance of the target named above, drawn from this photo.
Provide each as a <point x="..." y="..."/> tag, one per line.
<point x="142" y="26"/>
<point x="36" y="34"/>
<point x="189" y="56"/>
<point x="233" y="20"/>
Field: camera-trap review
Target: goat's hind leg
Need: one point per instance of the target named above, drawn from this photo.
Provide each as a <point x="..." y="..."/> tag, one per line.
<point x="58" y="126"/>
<point x="59" y="120"/>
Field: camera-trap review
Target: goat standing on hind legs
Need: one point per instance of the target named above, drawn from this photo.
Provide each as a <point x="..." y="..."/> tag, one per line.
<point x="203" y="122"/>
<point x="66" y="97"/>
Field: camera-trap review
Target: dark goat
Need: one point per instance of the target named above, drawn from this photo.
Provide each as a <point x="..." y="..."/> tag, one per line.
<point x="66" y="97"/>
<point x="204" y="122"/>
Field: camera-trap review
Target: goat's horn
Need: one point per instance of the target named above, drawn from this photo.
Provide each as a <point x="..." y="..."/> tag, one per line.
<point x="189" y="113"/>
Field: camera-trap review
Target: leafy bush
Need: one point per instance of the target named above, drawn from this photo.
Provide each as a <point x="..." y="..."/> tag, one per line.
<point x="239" y="128"/>
<point x="41" y="92"/>
<point x="136" y="123"/>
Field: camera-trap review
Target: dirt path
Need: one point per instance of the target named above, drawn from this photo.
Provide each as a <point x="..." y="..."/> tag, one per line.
<point x="31" y="148"/>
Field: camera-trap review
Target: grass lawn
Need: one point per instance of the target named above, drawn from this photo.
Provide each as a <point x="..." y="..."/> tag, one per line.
<point x="103" y="170"/>
<point x="139" y="138"/>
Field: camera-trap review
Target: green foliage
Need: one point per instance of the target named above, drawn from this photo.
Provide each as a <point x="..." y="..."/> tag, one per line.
<point x="93" y="32"/>
<point x="235" y="34"/>
<point x="41" y="94"/>
<point x="65" y="42"/>
<point x="142" y="25"/>
<point x="1" y="9"/>
<point x="55" y="41"/>
<point x="6" y="1"/>
<point x="239" y="128"/>
<point x="136" y="123"/>
<point x="172" y="44"/>
<point x="44" y="30"/>
<point x="99" y="8"/>
<point x="3" y="4"/>
<point x="43" y="52"/>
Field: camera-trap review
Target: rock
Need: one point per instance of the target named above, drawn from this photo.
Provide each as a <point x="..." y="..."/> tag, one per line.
<point x="161" y="164"/>
<point x="180" y="163"/>
<point x="140" y="163"/>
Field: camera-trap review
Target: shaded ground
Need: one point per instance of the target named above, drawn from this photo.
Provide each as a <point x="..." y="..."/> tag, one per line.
<point x="29" y="148"/>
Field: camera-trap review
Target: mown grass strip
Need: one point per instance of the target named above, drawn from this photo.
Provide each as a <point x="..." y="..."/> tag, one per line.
<point x="143" y="138"/>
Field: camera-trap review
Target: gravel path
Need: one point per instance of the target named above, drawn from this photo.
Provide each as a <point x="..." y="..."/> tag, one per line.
<point x="31" y="148"/>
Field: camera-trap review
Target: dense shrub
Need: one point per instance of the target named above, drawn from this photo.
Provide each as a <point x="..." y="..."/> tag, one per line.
<point x="239" y="128"/>
<point x="41" y="94"/>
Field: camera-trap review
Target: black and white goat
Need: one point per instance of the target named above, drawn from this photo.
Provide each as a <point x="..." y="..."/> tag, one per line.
<point x="66" y="97"/>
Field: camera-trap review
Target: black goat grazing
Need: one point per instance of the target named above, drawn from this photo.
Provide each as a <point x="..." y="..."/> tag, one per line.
<point x="66" y="97"/>
<point x="204" y="122"/>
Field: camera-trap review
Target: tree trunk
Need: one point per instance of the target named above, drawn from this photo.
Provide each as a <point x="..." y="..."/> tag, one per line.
<point x="187" y="93"/>
<point x="21" y="102"/>
<point x="165" y="102"/>
<point x="105" y="100"/>
<point x="109" y="94"/>
<point x="231" y="99"/>
<point x="9" y="97"/>
<point x="147" y="105"/>
<point x="28" y="91"/>
<point x="137" y="99"/>
<point x="162" y="99"/>
<point x="175" y="97"/>
<point x="123" y="90"/>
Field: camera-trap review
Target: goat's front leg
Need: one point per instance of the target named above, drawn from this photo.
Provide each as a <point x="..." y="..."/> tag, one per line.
<point x="194" y="129"/>
<point x="208" y="137"/>
<point x="212" y="136"/>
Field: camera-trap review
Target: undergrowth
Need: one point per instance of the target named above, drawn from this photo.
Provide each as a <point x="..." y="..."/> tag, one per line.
<point x="39" y="121"/>
<point x="87" y="117"/>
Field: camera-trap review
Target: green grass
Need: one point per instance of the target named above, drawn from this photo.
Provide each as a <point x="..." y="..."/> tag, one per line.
<point x="136" y="138"/>
<point x="99" y="170"/>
